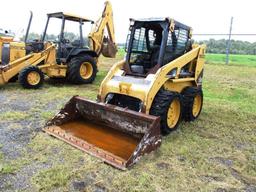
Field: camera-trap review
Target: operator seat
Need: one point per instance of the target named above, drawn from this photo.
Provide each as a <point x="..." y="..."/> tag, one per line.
<point x="155" y="55"/>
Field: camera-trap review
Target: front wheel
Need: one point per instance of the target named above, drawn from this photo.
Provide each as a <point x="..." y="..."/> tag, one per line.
<point x="82" y="70"/>
<point x="167" y="105"/>
<point x="31" y="77"/>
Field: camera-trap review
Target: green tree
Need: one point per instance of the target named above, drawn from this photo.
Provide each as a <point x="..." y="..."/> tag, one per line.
<point x="237" y="46"/>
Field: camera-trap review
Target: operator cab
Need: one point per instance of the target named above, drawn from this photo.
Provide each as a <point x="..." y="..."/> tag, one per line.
<point x="152" y="43"/>
<point x="71" y="36"/>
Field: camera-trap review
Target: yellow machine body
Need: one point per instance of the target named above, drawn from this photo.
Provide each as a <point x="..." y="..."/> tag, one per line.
<point x="146" y="88"/>
<point x="16" y="56"/>
<point x="136" y="104"/>
<point x="19" y="60"/>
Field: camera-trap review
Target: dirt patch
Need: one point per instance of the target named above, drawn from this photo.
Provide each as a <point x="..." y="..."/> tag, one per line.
<point x="223" y="161"/>
<point x="79" y="185"/>
<point x="14" y="136"/>
<point x="163" y="165"/>
<point x="209" y="178"/>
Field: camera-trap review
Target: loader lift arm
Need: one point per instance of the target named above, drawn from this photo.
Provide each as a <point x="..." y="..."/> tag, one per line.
<point x="98" y="42"/>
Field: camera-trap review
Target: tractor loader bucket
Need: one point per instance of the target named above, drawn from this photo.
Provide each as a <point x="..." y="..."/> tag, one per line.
<point x="116" y="135"/>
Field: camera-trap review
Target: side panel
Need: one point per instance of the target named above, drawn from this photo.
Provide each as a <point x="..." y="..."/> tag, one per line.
<point x="54" y="70"/>
<point x="200" y="64"/>
<point x="177" y="87"/>
<point x="51" y="58"/>
<point x="162" y="75"/>
<point x="17" y="50"/>
<point x="50" y="67"/>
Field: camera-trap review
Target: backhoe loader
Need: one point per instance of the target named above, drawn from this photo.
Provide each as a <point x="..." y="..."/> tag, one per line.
<point x="146" y="95"/>
<point x="62" y="58"/>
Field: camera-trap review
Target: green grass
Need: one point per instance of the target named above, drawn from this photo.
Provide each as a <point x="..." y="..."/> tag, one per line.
<point x="13" y="115"/>
<point x="249" y="60"/>
<point x="6" y="168"/>
<point x="214" y="153"/>
<point x="54" y="177"/>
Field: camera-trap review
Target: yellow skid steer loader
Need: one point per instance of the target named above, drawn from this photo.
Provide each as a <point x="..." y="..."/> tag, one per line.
<point x="142" y="97"/>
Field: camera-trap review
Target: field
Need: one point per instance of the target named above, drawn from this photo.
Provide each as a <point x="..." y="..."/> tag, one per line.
<point x="215" y="153"/>
<point x="248" y="60"/>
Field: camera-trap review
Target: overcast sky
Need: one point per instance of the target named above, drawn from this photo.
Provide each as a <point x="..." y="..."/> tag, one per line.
<point x="204" y="16"/>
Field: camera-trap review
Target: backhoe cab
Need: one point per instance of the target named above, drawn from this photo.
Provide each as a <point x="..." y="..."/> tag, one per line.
<point x="72" y="56"/>
<point x="72" y="45"/>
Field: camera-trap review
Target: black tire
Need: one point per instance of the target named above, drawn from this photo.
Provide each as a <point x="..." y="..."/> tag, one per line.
<point x="160" y="107"/>
<point x="189" y="94"/>
<point x="73" y="73"/>
<point x="23" y="77"/>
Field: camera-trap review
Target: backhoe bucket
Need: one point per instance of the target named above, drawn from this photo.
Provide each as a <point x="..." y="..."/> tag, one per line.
<point x="109" y="49"/>
<point x="116" y="135"/>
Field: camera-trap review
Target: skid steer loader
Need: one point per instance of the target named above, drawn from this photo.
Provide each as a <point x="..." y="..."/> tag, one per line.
<point x="62" y="58"/>
<point x="142" y="97"/>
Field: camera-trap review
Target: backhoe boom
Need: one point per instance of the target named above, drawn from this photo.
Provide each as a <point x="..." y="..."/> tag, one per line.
<point x="98" y="42"/>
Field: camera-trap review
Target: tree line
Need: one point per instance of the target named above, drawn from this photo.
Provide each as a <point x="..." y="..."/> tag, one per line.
<point x="51" y="37"/>
<point x="213" y="46"/>
<point x="237" y="47"/>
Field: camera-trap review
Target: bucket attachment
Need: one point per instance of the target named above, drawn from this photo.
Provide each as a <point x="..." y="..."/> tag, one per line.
<point x="116" y="135"/>
<point x="109" y="48"/>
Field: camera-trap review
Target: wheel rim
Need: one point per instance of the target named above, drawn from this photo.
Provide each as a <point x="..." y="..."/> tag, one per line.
<point x="86" y="70"/>
<point x="33" y="78"/>
<point x="173" y="114"/>
<point x="197" y="105"/>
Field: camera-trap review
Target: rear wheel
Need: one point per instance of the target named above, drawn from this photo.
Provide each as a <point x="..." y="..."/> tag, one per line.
<point x="167" y="105"/>
<point x="31" y="77"/>
<point x="192" y="103"/>
<point x="82" y="70"/>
